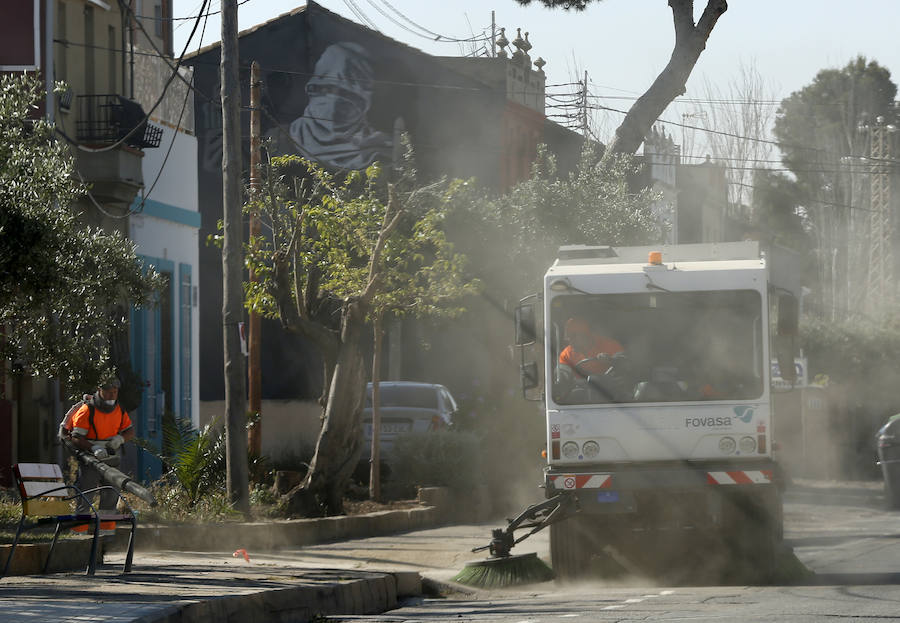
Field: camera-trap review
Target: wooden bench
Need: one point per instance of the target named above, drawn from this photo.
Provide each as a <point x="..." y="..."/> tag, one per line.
<point x="46" y="499"/>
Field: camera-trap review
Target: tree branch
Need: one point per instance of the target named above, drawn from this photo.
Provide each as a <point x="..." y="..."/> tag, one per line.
<point x="392" y="216"/>
<point x="325" y="339"/>
<point x="690" y="41"/>
<point x="711" y="14"/>
<point x="683" y="16"/>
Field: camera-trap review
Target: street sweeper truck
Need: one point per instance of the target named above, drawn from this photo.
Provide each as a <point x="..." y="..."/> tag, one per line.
<point x="653" y="367"/>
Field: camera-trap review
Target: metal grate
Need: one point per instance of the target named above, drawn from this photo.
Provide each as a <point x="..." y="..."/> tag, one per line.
<point x="106" y="119"/>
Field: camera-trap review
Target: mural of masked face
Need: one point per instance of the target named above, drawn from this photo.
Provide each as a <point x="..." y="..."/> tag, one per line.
<point x="334" y="130"/>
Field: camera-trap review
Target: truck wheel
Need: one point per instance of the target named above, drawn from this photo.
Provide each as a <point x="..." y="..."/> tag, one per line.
<point x="752" y="533"/>
<point x="570" y="552"/>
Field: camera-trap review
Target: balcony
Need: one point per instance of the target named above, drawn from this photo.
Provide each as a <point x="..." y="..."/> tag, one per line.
<point x="107" y="119"/>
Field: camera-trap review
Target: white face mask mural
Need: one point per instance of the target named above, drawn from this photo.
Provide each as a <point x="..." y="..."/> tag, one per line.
<point x="333" y="129"/>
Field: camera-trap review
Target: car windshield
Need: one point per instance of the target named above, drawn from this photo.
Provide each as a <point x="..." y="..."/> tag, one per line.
<point x="421" y="397"/>
<point x="676" y="346"/>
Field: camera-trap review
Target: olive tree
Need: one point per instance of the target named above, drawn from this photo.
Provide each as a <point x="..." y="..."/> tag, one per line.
<point x="66" y="286"/>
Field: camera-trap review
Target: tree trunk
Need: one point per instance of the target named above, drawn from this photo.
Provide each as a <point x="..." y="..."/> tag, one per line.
<point x="338" y="447"/>
<point x="690" y="41"/>
<point x="375" y="455"/>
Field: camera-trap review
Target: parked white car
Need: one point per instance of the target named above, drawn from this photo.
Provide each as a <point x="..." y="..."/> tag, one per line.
<point x="407" y="407"/>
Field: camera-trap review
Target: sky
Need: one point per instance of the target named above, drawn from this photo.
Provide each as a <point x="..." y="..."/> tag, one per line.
<point x="623" y="44"/>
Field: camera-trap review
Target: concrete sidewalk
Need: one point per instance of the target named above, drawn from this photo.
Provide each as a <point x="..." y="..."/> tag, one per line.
<point x="185" y="588"/>
<point x="188" y="573"/>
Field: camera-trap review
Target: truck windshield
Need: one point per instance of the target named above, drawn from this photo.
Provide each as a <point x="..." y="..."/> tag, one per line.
<point x="657" y="347"/>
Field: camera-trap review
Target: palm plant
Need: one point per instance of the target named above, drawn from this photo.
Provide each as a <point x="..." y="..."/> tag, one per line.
<point x="195" y="458"/>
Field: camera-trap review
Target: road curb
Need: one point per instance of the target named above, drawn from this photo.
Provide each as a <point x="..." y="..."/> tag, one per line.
<point x="279" y="534"/>
<point x="368" y="595"/>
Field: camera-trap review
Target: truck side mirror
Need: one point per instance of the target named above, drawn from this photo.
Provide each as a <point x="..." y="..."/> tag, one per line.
<point x="786" y="336"/>
<point x="788" y="315"/>
<point x="525" y="325"/>
<point x="529" y="375"/>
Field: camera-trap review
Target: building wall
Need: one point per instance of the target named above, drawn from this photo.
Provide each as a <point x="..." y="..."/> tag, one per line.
<point x="289" y="427"/>
<point x="522" y="132"/>
<point x="165" y="225"/>
<point x="85" y="31"/>
<point x="454" y="123"/>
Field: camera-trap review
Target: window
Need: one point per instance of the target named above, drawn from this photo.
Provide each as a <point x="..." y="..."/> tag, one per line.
<point x="62" y="50"/>
<point x="184" y="350"/>
<point x="158" y="20"/>
<point x="89" y="52"/>
<point x="678" y="346"/>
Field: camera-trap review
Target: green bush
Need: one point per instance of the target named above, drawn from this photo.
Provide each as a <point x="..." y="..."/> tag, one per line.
<point x="440" y="458"/>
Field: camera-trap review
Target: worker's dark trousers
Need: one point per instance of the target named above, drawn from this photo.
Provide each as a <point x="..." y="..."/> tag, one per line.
<point x="89" y="478"/>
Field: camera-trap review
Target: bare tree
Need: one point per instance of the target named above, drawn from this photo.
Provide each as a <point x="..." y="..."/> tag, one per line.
<point x="742" y="114"/>
<point x="690" y="41"/>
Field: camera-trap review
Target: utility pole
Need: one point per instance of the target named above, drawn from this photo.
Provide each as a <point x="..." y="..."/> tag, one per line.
<point x="254" y="378"/>
<point x="880" y="284"/>
<point x="584" y="107"/>
<point x="493" y="35"/>
<point x="236" y="471"/>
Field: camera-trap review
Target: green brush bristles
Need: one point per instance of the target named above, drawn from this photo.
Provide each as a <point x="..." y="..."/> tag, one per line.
<point x="502" y="572"/>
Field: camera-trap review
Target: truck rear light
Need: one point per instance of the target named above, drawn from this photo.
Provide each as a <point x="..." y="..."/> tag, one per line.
<point x="570" y="450"/>
<point x="554" y="449"/>
<point x="727" y="445"/>
<point x="590" y="449"/>
<point x="747" y="444"/>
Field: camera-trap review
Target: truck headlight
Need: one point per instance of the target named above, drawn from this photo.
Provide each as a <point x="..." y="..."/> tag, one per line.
<point x="570" y="450"/>
<point x="727" y="445"/>
<point x="748" y="445"/>
<point x="590" y="449"/>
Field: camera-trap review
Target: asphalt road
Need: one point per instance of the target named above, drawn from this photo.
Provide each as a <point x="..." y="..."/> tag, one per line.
<point x="841" y="531"/>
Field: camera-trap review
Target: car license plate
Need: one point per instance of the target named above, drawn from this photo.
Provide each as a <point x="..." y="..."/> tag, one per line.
<point x="394" y="427"/>
<point x="606" y="497"/>
<point x="389" y="428"/>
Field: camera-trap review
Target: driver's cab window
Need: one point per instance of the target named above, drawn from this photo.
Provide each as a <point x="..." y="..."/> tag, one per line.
<point x="656" y="347"/>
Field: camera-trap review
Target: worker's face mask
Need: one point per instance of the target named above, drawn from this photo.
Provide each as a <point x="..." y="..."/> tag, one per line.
<point x="109" y="396"/>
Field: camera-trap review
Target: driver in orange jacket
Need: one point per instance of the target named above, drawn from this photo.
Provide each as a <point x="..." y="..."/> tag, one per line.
<point x="584" y="347"/>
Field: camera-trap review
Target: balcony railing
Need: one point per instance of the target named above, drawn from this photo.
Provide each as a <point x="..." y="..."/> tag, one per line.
<point x="106" y="119"/>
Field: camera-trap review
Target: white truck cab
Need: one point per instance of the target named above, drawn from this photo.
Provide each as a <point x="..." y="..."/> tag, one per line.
<point x="675" y="431"/>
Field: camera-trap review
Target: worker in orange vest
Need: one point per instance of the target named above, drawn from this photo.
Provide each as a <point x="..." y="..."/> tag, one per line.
<point x="582" y="355"/>
<point x="101" y="427"/>
<point x="587" y="355"/>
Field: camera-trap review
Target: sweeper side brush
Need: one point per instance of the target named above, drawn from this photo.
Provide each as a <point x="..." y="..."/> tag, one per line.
<point x="503" y="569"/>
<point x="503" y="572"/>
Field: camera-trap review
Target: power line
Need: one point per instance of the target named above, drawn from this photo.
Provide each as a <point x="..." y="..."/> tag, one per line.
<point x="183" y="19"/>
<point x="692" y="100"/>
<point x="187" y="95"/>
<point x="486" y="89"/>
<point x="159" y="100"/>
<point x="719" y="132"/>
<point x="433" y="35"/>
<point x="146" y="118"/>
<point x="821" y="201"/>
<point x="360" y="15"/>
